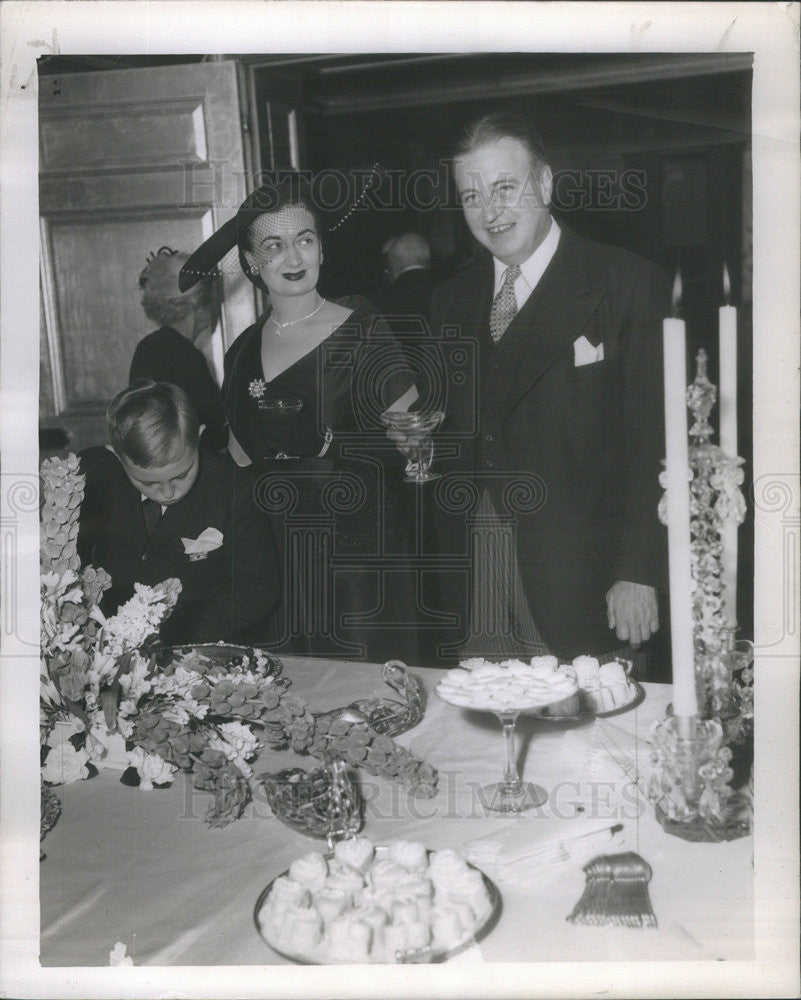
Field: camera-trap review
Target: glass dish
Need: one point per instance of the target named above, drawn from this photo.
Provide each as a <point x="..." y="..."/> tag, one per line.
<point x="323" y="803"/>
<point x="388" y="716"/>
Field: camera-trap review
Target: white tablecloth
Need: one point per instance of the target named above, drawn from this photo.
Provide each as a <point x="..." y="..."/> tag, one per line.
<point x="143" y="868"/>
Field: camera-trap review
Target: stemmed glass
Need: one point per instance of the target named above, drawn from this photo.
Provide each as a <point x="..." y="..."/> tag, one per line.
<point x="418" y="426"/>
<point x="511" y="794"/>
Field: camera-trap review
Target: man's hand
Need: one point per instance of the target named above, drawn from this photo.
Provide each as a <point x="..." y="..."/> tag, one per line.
<point x="404" y="441"/>
<point x="632" y="611"/>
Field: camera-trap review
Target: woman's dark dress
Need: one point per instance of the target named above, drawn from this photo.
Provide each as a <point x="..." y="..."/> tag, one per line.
<point x="335" y="506"/>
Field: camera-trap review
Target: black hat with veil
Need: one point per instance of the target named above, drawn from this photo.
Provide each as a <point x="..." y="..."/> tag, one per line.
<point x="331" y="197"/>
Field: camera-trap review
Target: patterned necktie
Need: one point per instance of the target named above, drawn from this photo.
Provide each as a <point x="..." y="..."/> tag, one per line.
<point x="152" y="513"/>
<point x="504" y="305"/>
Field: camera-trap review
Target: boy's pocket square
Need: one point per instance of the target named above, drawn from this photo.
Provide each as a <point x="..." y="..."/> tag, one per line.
<point x="207" y="541"/>
<point x="585" y="354"/>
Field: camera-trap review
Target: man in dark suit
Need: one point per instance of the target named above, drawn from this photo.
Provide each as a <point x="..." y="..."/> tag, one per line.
<point x="567" y="403"/>
<point x="410" y="280"/>
<point x="405" y="299"/>
<point x="158" y="506"/>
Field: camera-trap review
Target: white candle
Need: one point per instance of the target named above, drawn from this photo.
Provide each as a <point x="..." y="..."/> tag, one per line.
<point x="685" y="702"/>
<point x="727" y="341"/>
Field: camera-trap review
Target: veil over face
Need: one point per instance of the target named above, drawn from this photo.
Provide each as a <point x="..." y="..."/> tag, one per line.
<point x="283" y="248"/>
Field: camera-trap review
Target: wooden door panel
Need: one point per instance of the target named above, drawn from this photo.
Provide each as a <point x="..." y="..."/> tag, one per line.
<point x="130" y="160"/>
<point x="162" y="134"/>
<point x="106" y="253"/>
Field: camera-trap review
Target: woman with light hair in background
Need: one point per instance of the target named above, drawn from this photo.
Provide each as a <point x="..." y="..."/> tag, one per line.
<point x="169" y="354"/>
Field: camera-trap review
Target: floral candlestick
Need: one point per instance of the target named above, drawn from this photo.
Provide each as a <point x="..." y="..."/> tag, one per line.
<point x="715" y="499"/>
<point x="716" y="502"/>
<point x="689" y="781"/>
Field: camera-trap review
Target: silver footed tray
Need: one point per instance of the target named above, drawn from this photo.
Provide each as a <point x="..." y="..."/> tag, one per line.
<point x="410" y="922"/>
<point x="204" y="657"/>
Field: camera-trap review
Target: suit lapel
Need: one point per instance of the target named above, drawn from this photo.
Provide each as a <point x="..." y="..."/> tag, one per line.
<point x="471" y="312"/>
<point x="549" y="322"/>
<point x="129" y="506"/>
<point x="468" y="312"/>
<point x="182" y="520"/>
<point x="176" y="521"/>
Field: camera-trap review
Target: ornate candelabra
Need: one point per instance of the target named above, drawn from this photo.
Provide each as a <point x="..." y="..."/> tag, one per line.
<point x="691" y="777"/>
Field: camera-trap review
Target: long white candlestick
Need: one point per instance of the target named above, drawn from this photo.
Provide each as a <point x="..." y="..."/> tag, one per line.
<point x="727" y="340"/>
<point x="685" y="702"/>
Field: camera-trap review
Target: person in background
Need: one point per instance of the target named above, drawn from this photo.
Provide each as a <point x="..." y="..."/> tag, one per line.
<point x="404" y="301"/>
<point x="156" y="506"/>
<point x="169" y="354"/>
<point x="568" y="399"/>
<point x="410" y="280"/>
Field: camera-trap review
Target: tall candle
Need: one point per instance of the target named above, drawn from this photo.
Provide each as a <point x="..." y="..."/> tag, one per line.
<point x="685" y="702"/>
<point x="727" y="340"/>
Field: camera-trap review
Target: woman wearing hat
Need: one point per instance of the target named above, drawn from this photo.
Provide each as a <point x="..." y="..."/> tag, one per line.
<point x="304" y="390"/>
<point x="169" y="354"/>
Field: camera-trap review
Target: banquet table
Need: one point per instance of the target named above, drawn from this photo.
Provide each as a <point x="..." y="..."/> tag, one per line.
<point x="142" y="867"/>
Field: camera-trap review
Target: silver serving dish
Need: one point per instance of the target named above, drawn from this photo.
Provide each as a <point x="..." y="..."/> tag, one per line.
<point x="586" y="711"/>
<point x="319" y="956"/>
<point x="216" y="654"/>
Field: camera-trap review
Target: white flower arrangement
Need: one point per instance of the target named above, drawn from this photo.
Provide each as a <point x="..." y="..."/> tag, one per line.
<point x="238" y="744"/>
<point x="161" y="715"/>
<point x="118" y="955"/>
<point x="139" y="617"/>
<point x="152" y="769"/>
<point x="64" y="764"/>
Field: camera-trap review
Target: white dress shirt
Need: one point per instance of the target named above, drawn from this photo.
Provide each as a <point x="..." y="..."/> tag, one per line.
<point x="531" y="270"/>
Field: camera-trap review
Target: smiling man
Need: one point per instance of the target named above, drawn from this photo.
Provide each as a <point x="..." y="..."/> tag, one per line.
<point x="157" y="506"/>
<point x="567" y="403"/>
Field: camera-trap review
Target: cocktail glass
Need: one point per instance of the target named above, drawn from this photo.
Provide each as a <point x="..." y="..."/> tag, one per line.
<point x="418" y="426"/>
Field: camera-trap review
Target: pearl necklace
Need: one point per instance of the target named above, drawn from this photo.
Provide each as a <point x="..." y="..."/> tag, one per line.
<point x="282" y="326"/>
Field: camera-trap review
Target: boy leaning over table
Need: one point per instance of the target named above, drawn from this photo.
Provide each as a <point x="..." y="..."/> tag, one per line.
<point x="157" y="506"/>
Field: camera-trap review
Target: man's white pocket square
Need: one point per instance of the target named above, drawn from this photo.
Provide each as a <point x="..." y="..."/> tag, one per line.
<point x="207" y="541"/>
<point x="585" y="354"/>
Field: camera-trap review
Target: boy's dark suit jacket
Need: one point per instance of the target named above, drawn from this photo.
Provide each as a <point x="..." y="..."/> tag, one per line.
<point x="588" y="440"/>
<point x="230" y="594"/>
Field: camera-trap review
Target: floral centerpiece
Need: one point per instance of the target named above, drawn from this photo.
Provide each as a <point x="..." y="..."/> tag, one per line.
<point x="106" y="686"/>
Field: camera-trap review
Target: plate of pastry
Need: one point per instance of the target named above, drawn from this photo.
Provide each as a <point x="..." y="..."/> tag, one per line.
<point x="365" y="903"/>
<point x="542" y="687"/>
<point x="602" y="690"/>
